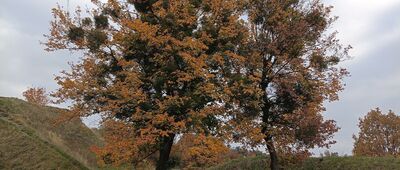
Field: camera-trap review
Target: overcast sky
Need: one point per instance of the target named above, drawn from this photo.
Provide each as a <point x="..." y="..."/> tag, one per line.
<point x="371" y="27"/>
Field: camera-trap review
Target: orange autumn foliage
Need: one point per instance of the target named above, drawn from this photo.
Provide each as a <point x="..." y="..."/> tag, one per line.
<point x="379" y="135"/>
<point x="200" y="151"/>
<point x="152" y="68"/>
<point x="36" y="96"/>
<point x="125" y="146"/>
<point x="255" y="72"/>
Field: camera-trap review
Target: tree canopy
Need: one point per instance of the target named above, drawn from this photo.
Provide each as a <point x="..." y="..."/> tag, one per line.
<point x="151" y="68"/>
<point x="36" y="95"/>
<point x="255" y="72"/>
<point x="379" y="135"/>
<point x="289" y="70"/>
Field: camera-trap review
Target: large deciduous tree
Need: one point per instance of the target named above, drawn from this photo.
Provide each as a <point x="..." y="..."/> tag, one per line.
<point x="152" y="68"/>
<point x="379" y="135"/>
<point x="289" y="70"/>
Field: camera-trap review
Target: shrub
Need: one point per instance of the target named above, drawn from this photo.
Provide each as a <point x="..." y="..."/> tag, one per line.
<point x="36" y="96"/>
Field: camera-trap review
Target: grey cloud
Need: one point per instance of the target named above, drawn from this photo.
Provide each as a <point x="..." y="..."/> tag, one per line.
<point x="374" y="82"/>
<point x="387" y="22"/>
<point x="23" y="61"/>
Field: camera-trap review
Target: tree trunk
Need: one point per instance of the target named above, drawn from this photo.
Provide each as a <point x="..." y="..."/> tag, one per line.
<point x="165" y="150"/>
<point x="274" y="164"/>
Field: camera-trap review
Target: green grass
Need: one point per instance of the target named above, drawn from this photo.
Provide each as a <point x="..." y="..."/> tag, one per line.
<point x="21" y="150"/>
<point x="29" y="139"/>
<point x="245" y="163"/>
<point x="326" y="163"/>
<point x="352" y="163"/>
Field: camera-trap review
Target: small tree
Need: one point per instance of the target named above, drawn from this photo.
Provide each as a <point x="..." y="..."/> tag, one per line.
<point x="36" y="95"/>
<point x="379" y="135"/>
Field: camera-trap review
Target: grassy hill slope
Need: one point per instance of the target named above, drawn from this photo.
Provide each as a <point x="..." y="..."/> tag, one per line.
<point x="29" y="139"/>
<point x="21" y="149"/>
<point x="331" y="163"/>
